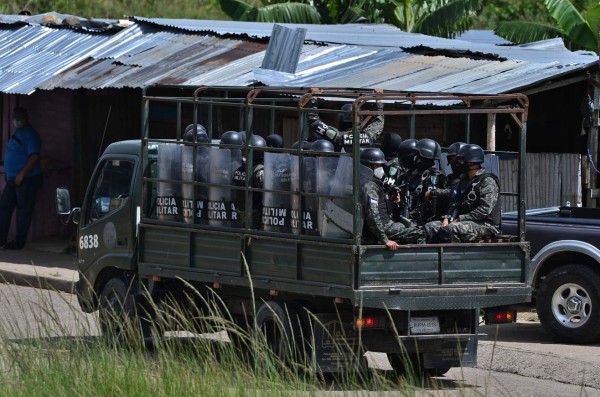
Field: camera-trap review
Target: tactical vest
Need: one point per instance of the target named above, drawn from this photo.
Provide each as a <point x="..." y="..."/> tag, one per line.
<point x="384" y="206"/>
<point x="470" y="199"/>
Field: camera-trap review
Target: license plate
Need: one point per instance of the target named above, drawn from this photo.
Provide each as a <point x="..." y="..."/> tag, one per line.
<point x="424" y="325"/>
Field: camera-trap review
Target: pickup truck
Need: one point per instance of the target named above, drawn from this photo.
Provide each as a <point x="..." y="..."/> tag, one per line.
<point x="565" y="269"/>
<point x="159" y="221"/>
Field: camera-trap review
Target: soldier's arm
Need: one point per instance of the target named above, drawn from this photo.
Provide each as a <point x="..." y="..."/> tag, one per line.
<point x="489" y="193"/>
<point x="318" y="127"/>
<point x="372" y="215"/>
<point x="374" y="128"/>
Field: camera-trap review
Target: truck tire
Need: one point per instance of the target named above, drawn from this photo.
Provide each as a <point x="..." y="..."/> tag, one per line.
<point x="568" y="304"/>
<point x="280" y="326"/>
<point x="118" y="315"/>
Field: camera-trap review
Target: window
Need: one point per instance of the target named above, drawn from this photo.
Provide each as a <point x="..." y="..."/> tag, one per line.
<point x="111" y="188"/>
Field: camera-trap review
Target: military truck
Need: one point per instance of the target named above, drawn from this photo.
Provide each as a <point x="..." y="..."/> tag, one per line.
<point x="162" y="215"/>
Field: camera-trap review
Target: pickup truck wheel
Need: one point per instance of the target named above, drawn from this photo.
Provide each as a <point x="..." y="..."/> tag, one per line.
<point x="118" y="314"/>
<point x="279" y="324"/>
<point x="568" y="304"/>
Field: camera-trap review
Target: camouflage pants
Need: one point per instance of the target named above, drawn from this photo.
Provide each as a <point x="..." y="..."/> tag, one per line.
<point x="459" y="232"/>
<point x="402" y="234"/>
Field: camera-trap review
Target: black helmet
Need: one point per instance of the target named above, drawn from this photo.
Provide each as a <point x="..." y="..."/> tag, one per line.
<point x="305" y="145"/>
<point x="407" y="151"/>
<point x="372" y="155"/>
<point x="232" y="138"/>
<point x="199" y="127"/>
<point x="345" y="117"/>
<point x="407" y="147"/>
<point x="454" y="148"/>
<point x="201" y="135"/>
<point x="429" y="149"/>
<point x="274" y="140"/>
<point x="322" y="145"/>
<point x="258" y="141"/>
<point x="471" y="153"/>
<point x="244" y="135"/>
<point x="390" y="143"/>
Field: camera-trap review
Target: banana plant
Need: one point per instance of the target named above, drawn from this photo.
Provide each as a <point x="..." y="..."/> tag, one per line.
<point x="282" y="12"/>
<point x="579" y="30"/>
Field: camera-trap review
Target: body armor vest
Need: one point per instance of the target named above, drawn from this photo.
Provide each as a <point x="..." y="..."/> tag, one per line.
<point x="470" y="199"/>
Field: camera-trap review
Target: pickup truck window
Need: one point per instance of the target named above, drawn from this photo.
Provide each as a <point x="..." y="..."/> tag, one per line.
<point x="111" y="189"/>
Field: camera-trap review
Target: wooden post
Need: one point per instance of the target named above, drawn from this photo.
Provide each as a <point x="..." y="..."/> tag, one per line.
<point x="491" y="131"/>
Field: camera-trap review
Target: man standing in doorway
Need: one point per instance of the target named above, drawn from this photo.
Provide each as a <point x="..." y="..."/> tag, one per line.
<point x="23" y="175"/>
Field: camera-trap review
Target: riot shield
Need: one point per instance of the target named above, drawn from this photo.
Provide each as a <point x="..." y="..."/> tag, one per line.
<point x="276" y="212"/>
<point x="337" y="215"/>
<point x="168" y="196"/>
<point x="325" y="177"/>
<point x="187" y="188"/>
<point x="304" y="221"/>
<point x="201" y="175"/>
<point x="220" y="208"/>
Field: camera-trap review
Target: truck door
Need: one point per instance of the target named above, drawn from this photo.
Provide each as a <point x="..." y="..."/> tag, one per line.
<point x="106" y="234"/>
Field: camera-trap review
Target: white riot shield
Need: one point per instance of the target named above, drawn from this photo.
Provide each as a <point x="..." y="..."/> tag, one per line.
<point x="304" y="220"/>
<point x="168" y="196"/>
<point x="338" y="213"/>
<point x="187" y="189"/>
<point x="325" y="174"/>
<point x="276" y="211"/>
<point x="220" y="211"/>
<point x="201" y="175"/>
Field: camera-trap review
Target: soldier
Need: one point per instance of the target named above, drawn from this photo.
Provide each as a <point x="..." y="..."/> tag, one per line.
<point x="379" y="221"/>
<point x="274" y="141"/>
<point x="425" y="177"/>
<point x="475" y="213"/>
<point x="455" y="182"/>
<point x="342" y="137"/>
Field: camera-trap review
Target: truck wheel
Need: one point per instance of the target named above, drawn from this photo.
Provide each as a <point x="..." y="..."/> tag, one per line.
<point x="118" y="314"/>
<point x="568" y="304"/>
<point x="412" y="364"/>
<point x="279" y="323"/>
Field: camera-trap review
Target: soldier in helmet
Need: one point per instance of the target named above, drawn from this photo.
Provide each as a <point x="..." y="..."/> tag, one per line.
<point x="274" y="141"/>
<point x="454" y="182"/>
<point x="257" y="179"/>
<point x="475" y="212"/>
<point x="379" y="219"/>
<point x="425" y="177"/>
<point x="189" y="135"/>
<point x="342" y="137"/>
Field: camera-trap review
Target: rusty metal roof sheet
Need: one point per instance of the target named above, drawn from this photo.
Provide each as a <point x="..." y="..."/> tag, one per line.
<point x="155" y="51"/>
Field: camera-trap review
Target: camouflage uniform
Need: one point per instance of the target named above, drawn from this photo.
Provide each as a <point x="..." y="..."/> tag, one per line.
<point x="343" y="139"/>
<point x="379" y="221"/>
<point x="475" y="213"/>
<point x="422" y="210"/>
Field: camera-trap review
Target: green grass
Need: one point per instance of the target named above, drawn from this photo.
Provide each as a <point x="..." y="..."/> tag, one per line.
<point x="200" y="9"/>
<point x="45" y="355"/>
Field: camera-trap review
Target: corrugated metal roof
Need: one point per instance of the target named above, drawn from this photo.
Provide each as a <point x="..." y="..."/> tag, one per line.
<point x="367" y="35"/>
<point x="32" y="54"/>
<point x="148" y="52"/>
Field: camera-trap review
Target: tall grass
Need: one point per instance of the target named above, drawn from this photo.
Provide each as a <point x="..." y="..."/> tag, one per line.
<point x="199" y="9"/>
<point x="49" y="348"/>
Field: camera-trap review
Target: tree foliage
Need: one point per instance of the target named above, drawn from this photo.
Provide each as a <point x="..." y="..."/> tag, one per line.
<point x="577" y="28"/>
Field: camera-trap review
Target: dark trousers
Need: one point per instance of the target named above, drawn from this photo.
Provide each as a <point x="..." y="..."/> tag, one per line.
<point x="21" y="198"/>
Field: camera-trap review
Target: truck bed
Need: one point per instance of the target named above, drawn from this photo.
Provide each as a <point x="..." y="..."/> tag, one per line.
<point x="415" y="277"/>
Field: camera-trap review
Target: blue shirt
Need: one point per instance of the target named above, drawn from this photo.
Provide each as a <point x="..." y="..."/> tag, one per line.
<point x="19" y="148"/>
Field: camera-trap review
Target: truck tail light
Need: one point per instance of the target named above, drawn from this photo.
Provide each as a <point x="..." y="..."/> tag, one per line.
<point x="502" y="316"/>
<point x="369" y="322"/>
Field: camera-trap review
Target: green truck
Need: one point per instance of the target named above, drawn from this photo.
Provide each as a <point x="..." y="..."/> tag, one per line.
<point x="161" y="216"/>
